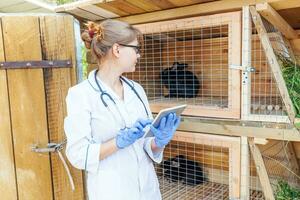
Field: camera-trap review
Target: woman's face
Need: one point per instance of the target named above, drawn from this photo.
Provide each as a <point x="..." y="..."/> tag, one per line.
<point x="129" y="56"/>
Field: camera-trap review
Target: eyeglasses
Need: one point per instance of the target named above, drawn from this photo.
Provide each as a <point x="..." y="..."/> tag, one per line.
<point x="136" y="48"/>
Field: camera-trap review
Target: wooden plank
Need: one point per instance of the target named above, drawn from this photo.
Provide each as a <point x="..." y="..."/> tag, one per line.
<point x="234" y="56"/>
<point x="198" y="9"/>
<point x="57" y="44"/>
<point x="261" y="170"/>
<point x="278" y="22"/>
<point x="235" y="168"/>
<point x="27" y="104"/>
<point x="147" y="6"/>
<point x="275" y="67"/>
<point x="239" y="129"/>
<point x="285" y="4"/>
<point x="245" y="169"/>
<point x="99" y="11"/>
<point x="246" y="62"/>
<point x="8" y="189"/>
<point x="76" y="4"/>
<point x="85" y="14"/>
<point x="121" y="7"/>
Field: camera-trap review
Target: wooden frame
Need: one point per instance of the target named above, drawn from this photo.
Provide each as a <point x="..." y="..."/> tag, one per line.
<point x="233" y="20"/>
<point x="246" y="62"/>
<point x="274" y="18"/>
<point x="273" y="62"/>
<point x="198" y="9"/>
<point x="233" y="145"/>
<point x="274" y="131"/>
<point x="261" y="170"/>
<point x="246" y="82"/>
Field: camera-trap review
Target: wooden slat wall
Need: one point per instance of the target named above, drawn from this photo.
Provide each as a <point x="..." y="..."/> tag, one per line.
<point x="28" y="108"/>
<point x="57" y="42"/>
<point x="32" y="108"/>
<point x="8" y="189"/>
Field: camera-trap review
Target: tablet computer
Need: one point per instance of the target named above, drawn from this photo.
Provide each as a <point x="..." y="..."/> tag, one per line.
<point x="163" y="113"/>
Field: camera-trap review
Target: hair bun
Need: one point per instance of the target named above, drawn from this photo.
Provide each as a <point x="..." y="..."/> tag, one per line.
<point x="95" y="30"/>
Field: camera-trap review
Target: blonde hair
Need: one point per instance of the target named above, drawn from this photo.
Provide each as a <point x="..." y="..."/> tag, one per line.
<point x="101" y="37"/>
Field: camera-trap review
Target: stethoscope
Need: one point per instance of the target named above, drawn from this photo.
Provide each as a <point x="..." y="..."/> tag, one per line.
<point x="104" y="93"/>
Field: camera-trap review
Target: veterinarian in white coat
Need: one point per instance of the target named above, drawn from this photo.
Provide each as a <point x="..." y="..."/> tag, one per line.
<point x="107" y="114"/>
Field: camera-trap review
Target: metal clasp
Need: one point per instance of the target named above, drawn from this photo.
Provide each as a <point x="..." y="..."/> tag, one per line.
<point x="243" y="68"/>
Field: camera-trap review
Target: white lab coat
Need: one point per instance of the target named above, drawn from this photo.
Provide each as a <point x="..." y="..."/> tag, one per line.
<point x="128" y="174"/>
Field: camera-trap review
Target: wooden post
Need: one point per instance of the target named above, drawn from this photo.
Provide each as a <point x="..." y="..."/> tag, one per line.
<point x="246" y="62"/>
<point x="8" y="189"/>
<point x="261" y="170"/>
<point x="272" y="60"/>
<point x="245" y="169"/>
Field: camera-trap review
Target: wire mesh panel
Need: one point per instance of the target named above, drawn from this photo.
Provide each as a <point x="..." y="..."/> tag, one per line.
<point x="188" y="61"/>
<point x="281" y="165"/>
<point x="200" y="166"/>
<point x="272" y="97"/>
<point x="266" y="99"/>
<point x="265" y="96"/>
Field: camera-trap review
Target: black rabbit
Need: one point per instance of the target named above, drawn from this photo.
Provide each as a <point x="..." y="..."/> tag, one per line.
<point x="181" y="169"/>
<point x="179" y="81"/>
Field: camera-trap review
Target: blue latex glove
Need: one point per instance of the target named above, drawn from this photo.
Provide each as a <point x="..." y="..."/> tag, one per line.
<point x="128" y="136"/>
<point x="166" y="129"/>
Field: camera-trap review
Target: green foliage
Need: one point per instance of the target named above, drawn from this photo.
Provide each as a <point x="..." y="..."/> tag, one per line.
<point x="291" y="75"/>
<point x="60" y="2"/>
<point x="84" y="61"/>
<point x="285" y="192"/>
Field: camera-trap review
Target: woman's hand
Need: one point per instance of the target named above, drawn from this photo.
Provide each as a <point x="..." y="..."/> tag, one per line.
<point x="128" y="136"/>
<point x="166" y="129"/>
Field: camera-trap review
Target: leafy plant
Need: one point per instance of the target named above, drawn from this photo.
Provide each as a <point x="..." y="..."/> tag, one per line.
<point x="84" y="61"/>
<point x="60" y="2"/>
<point x="285" y="192"/>
<point x="291" y="75"/>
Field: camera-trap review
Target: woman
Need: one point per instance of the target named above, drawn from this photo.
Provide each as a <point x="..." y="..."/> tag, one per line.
<point x="107" y="114"/>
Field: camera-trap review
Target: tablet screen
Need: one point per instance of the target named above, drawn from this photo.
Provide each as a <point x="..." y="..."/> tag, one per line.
<point x="163" y="113"/>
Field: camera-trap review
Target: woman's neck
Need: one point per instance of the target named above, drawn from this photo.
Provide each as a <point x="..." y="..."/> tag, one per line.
<point x="109" y="74"/>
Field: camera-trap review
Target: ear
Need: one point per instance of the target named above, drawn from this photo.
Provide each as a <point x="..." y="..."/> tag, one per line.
<point x="116" y="50"/>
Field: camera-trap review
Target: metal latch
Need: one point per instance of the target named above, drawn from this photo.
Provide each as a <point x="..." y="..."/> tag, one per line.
<point x="51" y="147"/>
<point x="243" y="68"/>
<point x="56" y="147"/>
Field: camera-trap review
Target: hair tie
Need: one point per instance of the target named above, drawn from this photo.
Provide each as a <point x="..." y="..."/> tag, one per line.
<point x="91" y="33"/>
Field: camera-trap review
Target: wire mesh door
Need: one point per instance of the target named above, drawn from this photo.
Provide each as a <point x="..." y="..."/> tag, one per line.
<point x="269" y="98"/>
<point x="188" y="61"/>
<point x="200" y="166"/>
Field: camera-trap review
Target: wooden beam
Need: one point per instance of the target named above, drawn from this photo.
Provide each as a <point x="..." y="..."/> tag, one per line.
<point x="198" y="9"/>
<point x="272" y="60"/>
<point x="246" y="62"/>
<point x="255" y="129"/>
<point x="274" y="18"/>
<point x="261" y="171"/>
<point x="285" y="4"/>
<point x="76" y="4"/>
<point x="245" y="169"/>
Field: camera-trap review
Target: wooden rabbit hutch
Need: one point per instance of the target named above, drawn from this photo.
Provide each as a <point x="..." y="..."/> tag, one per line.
<point x="237" y="137"/>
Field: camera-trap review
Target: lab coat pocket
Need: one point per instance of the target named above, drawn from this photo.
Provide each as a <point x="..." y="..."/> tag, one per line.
<point x="108" y="185"/>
